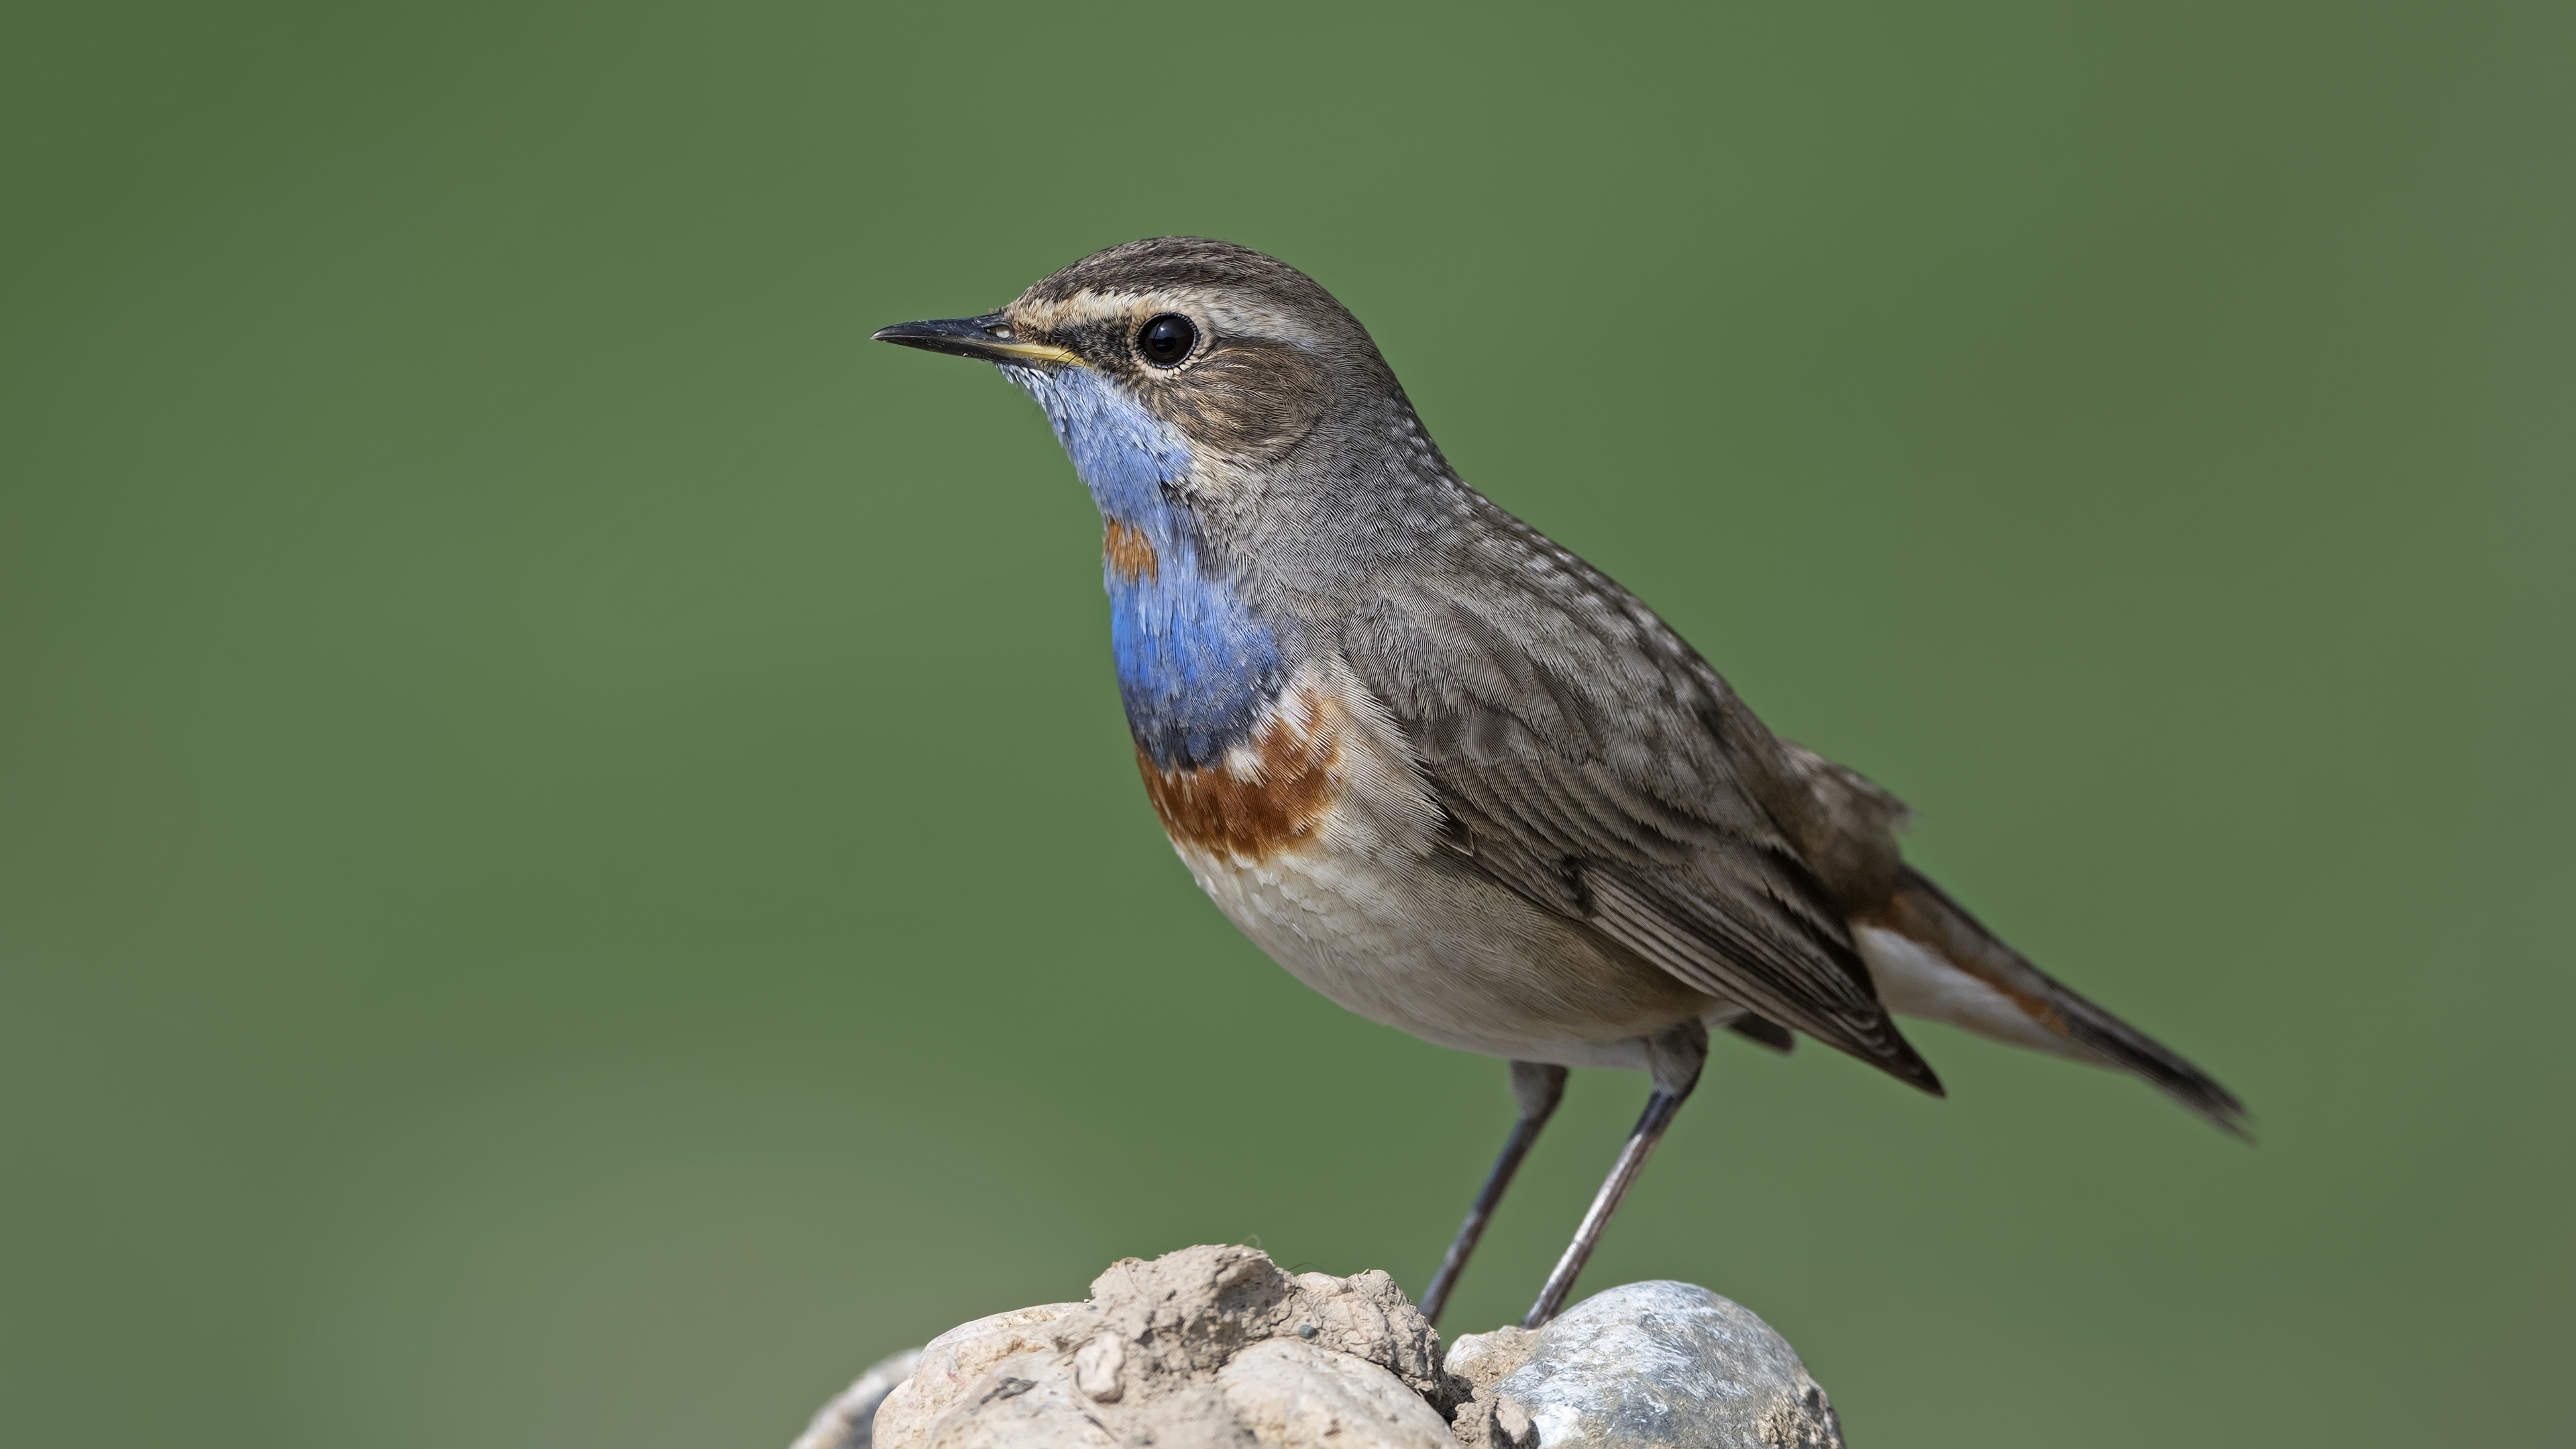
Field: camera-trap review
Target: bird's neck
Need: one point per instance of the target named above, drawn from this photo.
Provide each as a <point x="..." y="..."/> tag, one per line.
<point x="1197" y="665"/>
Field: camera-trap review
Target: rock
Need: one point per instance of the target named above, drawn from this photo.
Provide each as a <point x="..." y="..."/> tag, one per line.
<point x="845" y="1422"/>
<point x="959" y="1359"/>
<point x="1215" y="1346"/>
<point x="1098" y="1368"/>
<point x="1647" y="1364"/>
<point x="1206" y="1346"/>
<point x="1484" y="1359"/>
<point x="1295" y="1394"/>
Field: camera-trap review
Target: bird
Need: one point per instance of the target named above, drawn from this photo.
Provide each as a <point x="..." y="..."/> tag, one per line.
<point x="1444" y="771"/>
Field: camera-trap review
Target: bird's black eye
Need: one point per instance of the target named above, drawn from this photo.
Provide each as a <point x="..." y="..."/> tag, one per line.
<point x="1166" y="340"/>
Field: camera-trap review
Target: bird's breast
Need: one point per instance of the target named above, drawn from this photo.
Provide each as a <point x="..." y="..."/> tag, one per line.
<point x="1269" y="793"/>
<point x="1317" y="838"/>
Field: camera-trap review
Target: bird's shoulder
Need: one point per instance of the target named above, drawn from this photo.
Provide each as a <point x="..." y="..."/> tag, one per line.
<point x="1498" y="648"/>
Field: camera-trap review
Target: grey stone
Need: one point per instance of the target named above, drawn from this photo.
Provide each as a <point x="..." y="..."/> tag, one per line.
<point x="1643" y="1366"/>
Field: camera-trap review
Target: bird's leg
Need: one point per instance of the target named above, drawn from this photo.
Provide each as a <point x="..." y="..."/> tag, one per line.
<point x="1538" y="1088"/>
<point x="1674" y="1057"/>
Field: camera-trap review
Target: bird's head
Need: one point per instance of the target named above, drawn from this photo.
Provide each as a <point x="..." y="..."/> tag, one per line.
<point x="1214" y="368"/>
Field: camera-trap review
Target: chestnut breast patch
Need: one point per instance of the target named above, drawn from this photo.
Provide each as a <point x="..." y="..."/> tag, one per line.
<point x="1270" y="794"/>
<point x="1128" y="552"/>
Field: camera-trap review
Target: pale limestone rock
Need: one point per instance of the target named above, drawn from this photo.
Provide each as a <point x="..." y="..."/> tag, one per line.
<point x="956" y="1361"/>
<point x="1482" y="1359"/>
<point x="1207" y="1346"/>
<point x="1293" y="1395"/>
<point x="1097" y="1366"/>
<point x="1022" y="1401"/>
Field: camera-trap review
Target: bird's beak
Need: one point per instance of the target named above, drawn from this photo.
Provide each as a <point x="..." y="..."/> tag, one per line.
<point x="987" y="338"/>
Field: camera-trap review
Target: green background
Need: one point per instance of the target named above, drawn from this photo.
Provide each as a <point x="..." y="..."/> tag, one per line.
<point x="570" y="871"/>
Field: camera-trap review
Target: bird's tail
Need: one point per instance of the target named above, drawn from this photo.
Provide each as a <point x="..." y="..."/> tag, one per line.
<point x="1933" y="959"/>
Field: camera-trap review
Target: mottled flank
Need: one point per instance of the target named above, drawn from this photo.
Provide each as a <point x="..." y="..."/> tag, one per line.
<point x="1264" y="797"/>
<point x="1128" y="552"/>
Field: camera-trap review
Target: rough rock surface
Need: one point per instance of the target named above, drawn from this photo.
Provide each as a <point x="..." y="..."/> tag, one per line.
<point x="1642" y="1365"/>
<point x="1206" y="1346"/>
<point x="1215" y="1346"/>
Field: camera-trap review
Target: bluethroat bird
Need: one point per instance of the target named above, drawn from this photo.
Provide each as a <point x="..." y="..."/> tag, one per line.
<point x="1444" y="771"/>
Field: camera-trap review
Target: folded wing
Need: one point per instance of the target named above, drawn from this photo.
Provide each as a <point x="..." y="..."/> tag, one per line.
<point x="1589" y="760"/>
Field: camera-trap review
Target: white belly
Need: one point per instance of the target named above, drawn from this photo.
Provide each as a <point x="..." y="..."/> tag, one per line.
<point x="1449" y="957"/>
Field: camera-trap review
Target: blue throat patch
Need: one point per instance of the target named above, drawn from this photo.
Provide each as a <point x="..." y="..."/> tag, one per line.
<point x="1195" y="666"/>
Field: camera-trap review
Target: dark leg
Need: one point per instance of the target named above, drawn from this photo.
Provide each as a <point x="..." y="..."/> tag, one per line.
<point x="1675" y="1058"/>
<point x="1538" y="1089"/>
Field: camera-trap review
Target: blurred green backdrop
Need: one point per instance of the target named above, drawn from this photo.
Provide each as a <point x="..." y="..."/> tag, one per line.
<point x="569" y="866"/>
